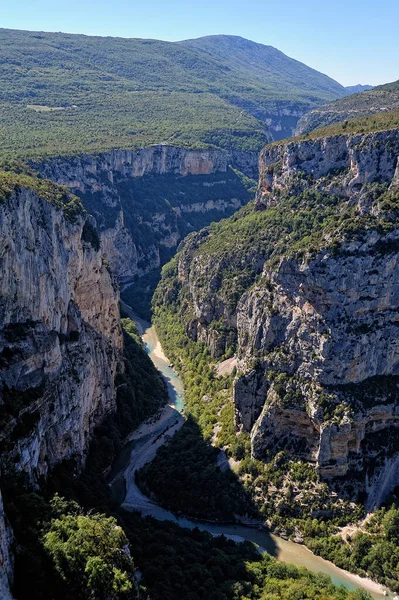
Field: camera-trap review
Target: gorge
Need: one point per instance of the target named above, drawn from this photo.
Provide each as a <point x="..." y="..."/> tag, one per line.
<point x="141" y="449"/>
<point x="128" y="165"/>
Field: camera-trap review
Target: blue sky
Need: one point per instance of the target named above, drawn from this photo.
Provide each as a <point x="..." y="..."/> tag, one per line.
<point x="353" y="41"/>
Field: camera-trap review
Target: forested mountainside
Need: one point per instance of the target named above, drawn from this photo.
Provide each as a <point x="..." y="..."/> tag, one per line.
<point x="380" y="99"/>
<point x="63" y="93"/>
<point x="297" y="293"/>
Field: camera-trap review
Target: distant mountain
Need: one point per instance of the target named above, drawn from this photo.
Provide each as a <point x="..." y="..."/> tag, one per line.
<point x="379" y="99"/>
<point x="64" y="93"/>
<point x="270" y="68"/>
<point x="355" y="89"/>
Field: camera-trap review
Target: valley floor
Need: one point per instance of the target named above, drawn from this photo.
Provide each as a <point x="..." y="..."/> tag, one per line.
<point x="142" y="447"/>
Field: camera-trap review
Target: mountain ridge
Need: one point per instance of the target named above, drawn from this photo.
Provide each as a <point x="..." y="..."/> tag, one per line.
<point x="71" y="93"/>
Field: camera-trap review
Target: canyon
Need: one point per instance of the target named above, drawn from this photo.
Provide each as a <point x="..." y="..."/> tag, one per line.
<point x="145" y="201"/>
<point x="278" y="305"/>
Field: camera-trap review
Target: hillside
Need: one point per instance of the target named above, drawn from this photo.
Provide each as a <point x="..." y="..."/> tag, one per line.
<point x="355" y="89"/>
<point x="379" y="99"/>
<point x="379" y="121"/>
<point x="64" y="93"/>
<point x="299" y="289"/>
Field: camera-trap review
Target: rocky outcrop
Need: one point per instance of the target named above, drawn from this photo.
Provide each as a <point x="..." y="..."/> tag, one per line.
<point x="146" y="200"/>
<point x="334" y="315"/>
<point x="316" y="322"/>
<point x="6" y="557"/>
<point x="342" y="164"/>
<point x="59" y="333"/>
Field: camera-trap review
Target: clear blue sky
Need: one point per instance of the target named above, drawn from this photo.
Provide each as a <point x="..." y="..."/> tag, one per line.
<point x="353" y="41"/>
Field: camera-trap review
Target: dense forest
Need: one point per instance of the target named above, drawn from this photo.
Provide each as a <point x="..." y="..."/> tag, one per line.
<point x="63" y="94"/>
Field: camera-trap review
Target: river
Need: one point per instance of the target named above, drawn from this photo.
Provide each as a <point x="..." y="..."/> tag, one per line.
<point x="141" y="449"/>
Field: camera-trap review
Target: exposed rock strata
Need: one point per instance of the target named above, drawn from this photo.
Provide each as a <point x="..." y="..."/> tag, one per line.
<point x="322" y="327"/>
<point x="60" y="335"/>
<point x="140" y="225"/>
<point x="343" y="164"/>
<point x="60" y="341"/>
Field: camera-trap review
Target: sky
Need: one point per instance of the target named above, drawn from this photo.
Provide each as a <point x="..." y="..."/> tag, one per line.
<point x="353" y="41"/>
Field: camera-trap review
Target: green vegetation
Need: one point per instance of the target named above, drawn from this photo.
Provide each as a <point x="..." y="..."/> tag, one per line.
<point x="90" y="553"/>
<point x="199" y="487"/>
<point x="63" y="93"/>
<point x="140" y="393"/>
<point x="133" y="119"/>
<point x="71" y="554"/>
<point x="372" y="552"/>
<point x="58" y="195"/>
<point x="206" y="396"/>
<point x="375" y="122"/>
<point x="376" y="102"/>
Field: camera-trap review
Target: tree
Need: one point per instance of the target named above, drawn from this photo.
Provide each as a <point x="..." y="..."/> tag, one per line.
<point x="91" y="553"/>
<point x="391" y="524"/>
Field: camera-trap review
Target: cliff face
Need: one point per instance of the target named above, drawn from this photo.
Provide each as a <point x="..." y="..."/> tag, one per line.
<point x="146" y="200"/>
<point x="341" y="165"/>
<point x="309" y="295"/>
<point x="6" y="558"/>
<point x="60" y="337"/>
<point x="60" y="334"/>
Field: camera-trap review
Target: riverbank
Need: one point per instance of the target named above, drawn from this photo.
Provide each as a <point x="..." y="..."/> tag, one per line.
<point x="151" y="435"/>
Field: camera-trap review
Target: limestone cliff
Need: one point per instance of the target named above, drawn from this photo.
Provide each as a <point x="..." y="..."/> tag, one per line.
<point x="146" y="200"/>
<point x="303" y="285"/>
<point x="59" y="332"/>
<point x="60" y="337"/>
<point x="6" y="558"/>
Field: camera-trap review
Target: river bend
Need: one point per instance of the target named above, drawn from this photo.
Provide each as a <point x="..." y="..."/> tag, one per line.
<point x="141" y="449"/>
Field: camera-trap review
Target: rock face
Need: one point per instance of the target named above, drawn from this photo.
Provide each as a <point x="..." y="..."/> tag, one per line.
<point x="59" y="333"/>
<point x="6" y="558"/>
<point x="60" y="341"/>
<point x="146" y="200"/>
<point x="359" y="160"/>
<point x="316" y="329"/>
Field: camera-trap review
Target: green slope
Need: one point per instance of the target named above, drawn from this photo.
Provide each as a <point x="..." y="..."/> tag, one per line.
<point x="63" y="93"/>
<point x="379" y="121"/>
<point x="383" y="98"/>
<point x="268" y="68"/>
